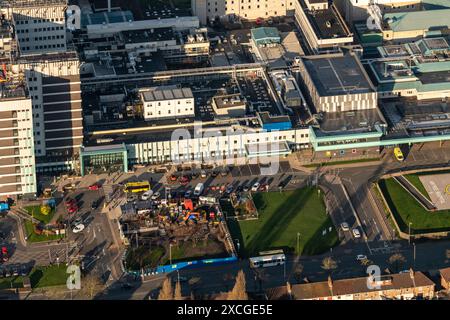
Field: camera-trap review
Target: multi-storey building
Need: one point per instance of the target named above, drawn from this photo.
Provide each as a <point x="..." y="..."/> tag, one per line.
<point x="209" y="10"/>
<point x="171" y="102"/>
<point x="40" y="25"/>
<point x="17" y="161"/>
<point x="54" y="84"/>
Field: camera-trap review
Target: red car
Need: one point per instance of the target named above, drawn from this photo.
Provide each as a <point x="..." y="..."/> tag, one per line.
<point x="5" y="254"/>
<point x="71" y="203"/>
<point x="72" y="209"/>
<point x="173" y="177"/>
<point x="184" y="180"/>
<point x="94" y="187"/>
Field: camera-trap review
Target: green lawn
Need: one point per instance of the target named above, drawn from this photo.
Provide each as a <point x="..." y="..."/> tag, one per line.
<point x="143" y="257"/>
<point x="406" y="209"/>
<point x="17" y="282"/>
<point x="49" y="276"/>
<point x="281" y="217"/>
<point x="34" y="237"/>
<point x="36" y="212"/>
<point x="415" y="181"/>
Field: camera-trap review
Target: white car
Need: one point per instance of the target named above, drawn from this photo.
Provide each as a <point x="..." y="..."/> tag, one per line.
<point x="156" y="196"/>
<point x="256" y="186"/>
<point x="356" y="233"/>
<point x="361" y="257"/>
<point x="78" y="228"/>
<point x="146" y="195"/>
<point x="344" y="226"/>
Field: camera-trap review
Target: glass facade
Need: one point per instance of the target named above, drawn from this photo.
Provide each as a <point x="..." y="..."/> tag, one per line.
<point x="103" y="160"/>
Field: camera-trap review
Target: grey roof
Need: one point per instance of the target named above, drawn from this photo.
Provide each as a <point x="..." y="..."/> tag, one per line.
<point x="167" y="94"/>
<point x="338" y="75"/>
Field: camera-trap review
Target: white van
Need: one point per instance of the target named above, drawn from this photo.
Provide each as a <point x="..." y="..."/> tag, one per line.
<point x="198" y="189"/>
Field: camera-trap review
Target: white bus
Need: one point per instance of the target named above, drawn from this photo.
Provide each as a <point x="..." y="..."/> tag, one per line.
<point x="268" y="259"/>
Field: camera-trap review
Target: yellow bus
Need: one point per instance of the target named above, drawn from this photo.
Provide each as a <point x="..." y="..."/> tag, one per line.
<point x="398" y="154"/>
<point x="140" y="186"/>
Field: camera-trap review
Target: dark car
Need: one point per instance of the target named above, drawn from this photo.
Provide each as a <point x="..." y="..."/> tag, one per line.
<point x="240" y="189"/>
<point x="15" y="270"/>
<point x="126" y="286"/>
<point x="24" y="270"/>
<point x="7" y="273"/>
<point x="95" y="204"/>
<point x="214" y="173"/>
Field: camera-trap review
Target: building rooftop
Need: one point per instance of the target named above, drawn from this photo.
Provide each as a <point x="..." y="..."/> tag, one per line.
<point x="338" y="75"/>
<point x="229" y="101"/>
<point x="350" y="121"/>
<point x="328" y="23"/>
<point x="265" y="33"/>
<point x="351" y="286"/>
<point x="417" y="20"/>
<point x="148" y="35"/>
<point x="161" y="93"/>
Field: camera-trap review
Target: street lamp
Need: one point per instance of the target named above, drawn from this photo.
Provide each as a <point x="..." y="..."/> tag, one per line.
<point x="409" y="232"/>
<point x="414" y="255"/>
<point x="298" y="243"/>
<point x="170" y="253"/>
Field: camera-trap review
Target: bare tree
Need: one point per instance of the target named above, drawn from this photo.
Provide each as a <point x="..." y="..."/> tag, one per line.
<point x="397" y="260"/>
<point x="91" y="285"/>
<point x="329" y="264"/>
<point x="177" y="295"/>
<point x="166" y="292"/>
<point x="239" y="291"/>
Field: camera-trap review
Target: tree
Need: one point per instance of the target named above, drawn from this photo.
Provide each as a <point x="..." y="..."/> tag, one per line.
<point x="239" y="291"/>
<point x="366" y="262"/>
<point x="91" y="285"/>
<point x="177" y="294"/>
<point x="396" y="260"/>
<point x="166" y="292"/>
<point x="329" y="264"/>
<point x="45" y="209"/>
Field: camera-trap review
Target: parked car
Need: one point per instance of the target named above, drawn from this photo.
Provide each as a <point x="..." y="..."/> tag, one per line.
<point x="188" y="194"/>
<point x="214" y="173"/>
<point x="72" y="209"/>
<point x="94" y="204"/>
<point x="203" y="174"/>
<point x="77" y="221"/>
<point x="184" y="180"/>
<point x="229" y="189"/>
<point x="146" y="195"/>
<point x="356" y="233"/>
<point x="361" y="257"/>
<point x="5" y="255"/>
<point x="173" y="178"/>
<point x="240" y="189"/>
<point x="344" y="226"/>
<point x="156" y="196"/>
<point x="24" y="270"/>
<point x="256" y="186"/>
<point x="94" y="187"/>
<point x="15" y="270"/>
<point x="70" y="202"/>
<point x="245" y="188"/>
<point x="263" y="187"/>
<point x="78" y="228"/>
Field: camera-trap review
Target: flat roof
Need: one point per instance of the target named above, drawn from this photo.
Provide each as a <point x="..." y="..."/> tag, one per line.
<point x="159" y="94"/>
<point x="337" y="75"/>
<point x="148" y="35"/>
<point x="346" y="122"/>
<point x="417" y="20"/>
<point x="326" y="23"/>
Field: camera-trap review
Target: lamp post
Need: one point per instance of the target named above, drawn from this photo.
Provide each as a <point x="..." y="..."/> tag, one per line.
<point x="298" y="243"/>
<point x="414" y="256"/>
<point x="409" y="233"/>
<point x="170" y="253"/>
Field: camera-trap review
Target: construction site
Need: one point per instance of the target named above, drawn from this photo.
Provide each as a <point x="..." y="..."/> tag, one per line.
<point x="165" y="231"/>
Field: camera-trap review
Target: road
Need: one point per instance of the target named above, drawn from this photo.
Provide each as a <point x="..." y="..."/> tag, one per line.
<point x="348" y="200"/>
